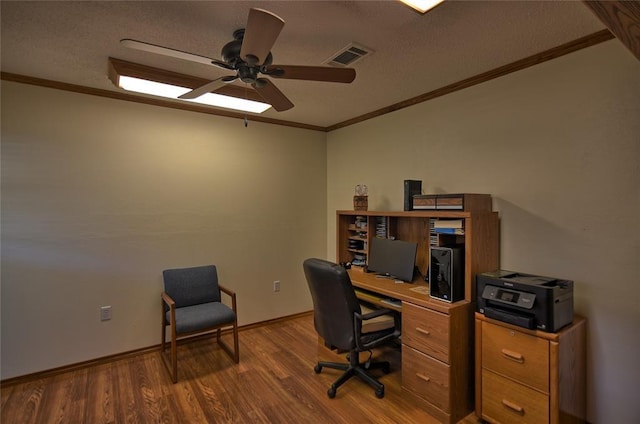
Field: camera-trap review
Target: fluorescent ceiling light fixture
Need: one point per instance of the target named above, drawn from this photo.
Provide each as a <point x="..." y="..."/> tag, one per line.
<point x="151" y="87"/>
<point x="422" y="6"/>
<point x="173" y="92"/>
<point x="160" y="82"/>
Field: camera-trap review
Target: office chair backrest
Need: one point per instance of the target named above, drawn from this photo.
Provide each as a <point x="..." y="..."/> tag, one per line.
<point x="192" y="286"/>
<point x="334" y="302"/>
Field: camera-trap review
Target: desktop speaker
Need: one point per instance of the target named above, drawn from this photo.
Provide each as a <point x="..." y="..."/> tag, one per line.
<point x="446" y="273"/>
<point x="411" y="188"/>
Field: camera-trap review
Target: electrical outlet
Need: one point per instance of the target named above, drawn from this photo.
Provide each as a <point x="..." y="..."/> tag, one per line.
<point x="276" y="286"/>
<point x="105" y="313"/>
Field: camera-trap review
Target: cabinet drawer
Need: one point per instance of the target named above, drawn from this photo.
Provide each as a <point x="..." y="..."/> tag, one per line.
<point x="426" y="331"/>
<point x="505" y="401"/>
<point x="426" y="377"/>
<point x="519" y="356"/>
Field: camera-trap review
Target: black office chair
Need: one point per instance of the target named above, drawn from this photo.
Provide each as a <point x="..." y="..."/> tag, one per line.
<point x="338" y="320"/>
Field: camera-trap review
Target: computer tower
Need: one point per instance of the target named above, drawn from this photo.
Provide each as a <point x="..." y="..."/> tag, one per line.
<point x="446" y="273"/>
<point x="411" y="188"/>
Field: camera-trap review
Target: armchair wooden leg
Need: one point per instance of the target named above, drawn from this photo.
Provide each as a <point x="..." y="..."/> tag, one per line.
<point x="235" y="353"/>
<point x="170" y="361"/>
<point x="174" y="357"/>
<point x="236" y="346"/>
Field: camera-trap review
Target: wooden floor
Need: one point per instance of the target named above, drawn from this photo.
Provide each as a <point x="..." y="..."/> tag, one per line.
<point x="273" y="383"/>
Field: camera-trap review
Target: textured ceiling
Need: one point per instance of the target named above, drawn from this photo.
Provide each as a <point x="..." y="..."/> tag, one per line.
<point x="71" y="42"/>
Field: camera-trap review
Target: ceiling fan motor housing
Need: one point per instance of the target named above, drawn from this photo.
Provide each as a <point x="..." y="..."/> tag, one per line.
<point x="248" y="74"/>
<point x="231" y="51"/>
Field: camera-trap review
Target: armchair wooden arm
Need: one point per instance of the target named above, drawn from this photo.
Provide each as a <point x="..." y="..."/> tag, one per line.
<point x="168" y="301"/>
<point x="231" y="294"/>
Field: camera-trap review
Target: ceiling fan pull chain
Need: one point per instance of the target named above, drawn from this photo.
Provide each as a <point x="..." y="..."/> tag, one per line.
<point x="246" y="121"/>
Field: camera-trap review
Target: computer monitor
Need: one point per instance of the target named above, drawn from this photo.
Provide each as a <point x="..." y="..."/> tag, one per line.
<point x="392" y="258"/>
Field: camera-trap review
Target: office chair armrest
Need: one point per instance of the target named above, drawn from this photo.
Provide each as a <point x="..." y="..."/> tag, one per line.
<point x="231" y="294"/>
<point x="359" y="318"/>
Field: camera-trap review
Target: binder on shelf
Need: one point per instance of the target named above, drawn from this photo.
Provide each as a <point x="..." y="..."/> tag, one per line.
<point x="458" y="231"/>
<point x="448" y="223"/>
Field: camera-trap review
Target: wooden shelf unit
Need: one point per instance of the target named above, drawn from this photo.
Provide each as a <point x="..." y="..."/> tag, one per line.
<point x="438" y="337"/>
<point x="481" y="238"/>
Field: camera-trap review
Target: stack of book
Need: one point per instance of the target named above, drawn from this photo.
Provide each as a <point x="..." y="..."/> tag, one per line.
<point x="381" y="227"/>
<point x="449" y="226"/>
<point x="433" y="237"/>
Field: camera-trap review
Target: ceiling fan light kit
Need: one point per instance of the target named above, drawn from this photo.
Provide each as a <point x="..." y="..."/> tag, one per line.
<point x="249" y="55"/>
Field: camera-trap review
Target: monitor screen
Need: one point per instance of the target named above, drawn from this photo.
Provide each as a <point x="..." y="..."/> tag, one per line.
<point x="393" y="258"/>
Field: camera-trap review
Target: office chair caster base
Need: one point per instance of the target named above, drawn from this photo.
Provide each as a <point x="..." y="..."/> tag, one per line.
<point x="386" y="368"/>
<point x="317" y="369"/>
<point x="380" y="393"/>
<point x="332" y="392"/>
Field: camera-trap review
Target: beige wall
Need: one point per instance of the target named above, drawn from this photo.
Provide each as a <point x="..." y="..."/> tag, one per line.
<point x="558" y="147"/>
<point x="99" y="196"/>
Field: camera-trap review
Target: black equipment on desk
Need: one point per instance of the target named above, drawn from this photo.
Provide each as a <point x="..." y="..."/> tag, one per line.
<point x="525" y="300"/>
<point x="446" y="273"/>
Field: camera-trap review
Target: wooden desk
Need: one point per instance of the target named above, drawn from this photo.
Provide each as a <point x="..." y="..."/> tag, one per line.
<point x="437" y="340"/>
<point x="388" y="288"/>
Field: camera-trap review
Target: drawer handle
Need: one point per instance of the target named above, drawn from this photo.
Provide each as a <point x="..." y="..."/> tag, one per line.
<point x="513" y="406"/>
<point x="423" y="331"/>
<point x="423" y="377"/>
<point x="514" y="356"/>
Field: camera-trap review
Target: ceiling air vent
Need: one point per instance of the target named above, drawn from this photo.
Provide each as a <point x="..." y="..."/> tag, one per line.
<point x="349" y="55"/>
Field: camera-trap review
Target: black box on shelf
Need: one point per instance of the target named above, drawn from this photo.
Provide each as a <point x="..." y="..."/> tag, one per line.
<point x="411" y="188"/>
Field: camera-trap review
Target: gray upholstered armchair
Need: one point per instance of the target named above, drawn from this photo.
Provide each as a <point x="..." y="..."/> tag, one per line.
<point x="192" y="304"/>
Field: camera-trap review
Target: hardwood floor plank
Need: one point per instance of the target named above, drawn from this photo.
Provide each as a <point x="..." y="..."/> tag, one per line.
<point x="273" y="383"/>
<point x="100" y="405"/>
<point x="28" y="396"/>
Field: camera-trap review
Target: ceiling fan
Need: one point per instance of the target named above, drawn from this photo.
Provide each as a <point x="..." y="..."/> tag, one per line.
<point x="249" y="55"/>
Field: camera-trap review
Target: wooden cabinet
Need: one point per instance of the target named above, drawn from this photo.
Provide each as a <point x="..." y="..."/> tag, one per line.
<point x="437" y="358"/>
<point x="437" y="336"/>
<point x="530" y="376"/>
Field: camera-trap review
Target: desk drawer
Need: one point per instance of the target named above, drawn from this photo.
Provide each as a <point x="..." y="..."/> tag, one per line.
<point x="426" y="331"/>
<point x="505" y="401"/>
<point x="426" y="377"/>
<point x="517" y="355"/>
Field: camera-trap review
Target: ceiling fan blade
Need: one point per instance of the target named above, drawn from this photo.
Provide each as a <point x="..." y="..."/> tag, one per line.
<point x="153" y="48"/>
<point x="203" y="89"/>
<point x="263" y="28"/>
<point x="273" y="96"/>
<point x="312" y="73"/>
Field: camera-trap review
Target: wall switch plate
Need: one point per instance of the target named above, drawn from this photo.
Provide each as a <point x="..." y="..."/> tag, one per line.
<point x="276" y="286"/>
<point x="105" y="313"/>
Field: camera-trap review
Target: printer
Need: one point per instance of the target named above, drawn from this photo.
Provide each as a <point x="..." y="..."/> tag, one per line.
<point x="525" y="300"/>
